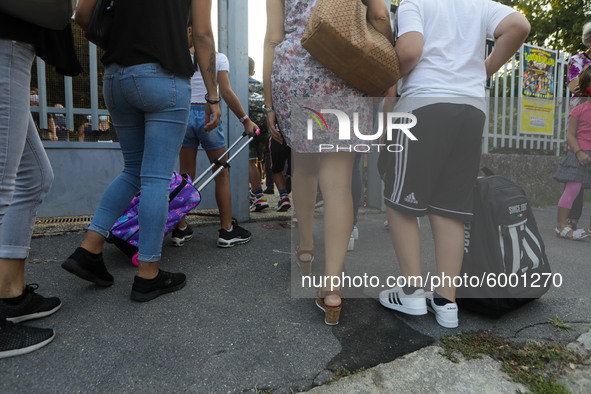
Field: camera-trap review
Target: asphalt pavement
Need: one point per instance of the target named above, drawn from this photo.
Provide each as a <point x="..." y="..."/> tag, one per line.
<point x="242" y="325"/>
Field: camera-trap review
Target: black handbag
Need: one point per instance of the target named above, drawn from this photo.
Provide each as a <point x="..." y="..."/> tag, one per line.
<point x="101" y="23"/>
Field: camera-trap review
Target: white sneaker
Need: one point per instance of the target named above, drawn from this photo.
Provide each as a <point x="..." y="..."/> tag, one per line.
<point x="355" y="233"/>
<point x="413" y="304"/>
<point x="446" y="315"/>
<point x="351" y="245"/>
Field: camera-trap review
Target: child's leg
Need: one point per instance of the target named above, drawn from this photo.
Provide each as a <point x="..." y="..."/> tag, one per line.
<point x="571" y="190"/>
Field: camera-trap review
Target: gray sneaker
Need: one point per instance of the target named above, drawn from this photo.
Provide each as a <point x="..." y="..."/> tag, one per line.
<point x="16" y="340"/>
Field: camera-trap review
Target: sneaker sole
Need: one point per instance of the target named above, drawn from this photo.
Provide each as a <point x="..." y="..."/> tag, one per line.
<point x="73" y="267"/>
<point x="404" y="309"/>
<point x="284" y="208"/>
<point x="224" y="243"/>
<point x="443" y="322"/>
<point x="143" y="297"/>
<point x="33" y="316"/>
<point x="28" y="349"/>
<point x="181" y="241"/>
<point x="259" y="208"/>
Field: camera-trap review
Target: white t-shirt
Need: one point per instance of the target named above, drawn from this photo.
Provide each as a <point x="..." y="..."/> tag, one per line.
<point x="198" y="89"/>
<point x="454" y="35"/>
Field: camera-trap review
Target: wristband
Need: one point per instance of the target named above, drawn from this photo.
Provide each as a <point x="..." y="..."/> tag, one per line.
<point x="243" y="119"/>
<point x="577" y="151"/>
<point x="268" y="109"/>
<point x="211" y="101"/>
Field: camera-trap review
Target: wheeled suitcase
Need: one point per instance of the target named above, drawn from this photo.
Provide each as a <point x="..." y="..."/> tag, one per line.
<point x="184" y="196"/>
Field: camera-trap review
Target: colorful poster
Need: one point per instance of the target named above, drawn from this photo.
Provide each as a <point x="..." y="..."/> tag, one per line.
<point x="537" y="80"/>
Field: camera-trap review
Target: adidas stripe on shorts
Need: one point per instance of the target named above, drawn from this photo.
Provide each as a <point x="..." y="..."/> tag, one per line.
<point x="435" y="174"/>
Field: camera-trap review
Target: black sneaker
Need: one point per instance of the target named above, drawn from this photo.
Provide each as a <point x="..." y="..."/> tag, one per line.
<point x="179" y="237"/>
<point x="269" y="190"/>
<point x="237" y="236"/>
<point x="165" y="282"/>
<point x="16" y="340"/>
<point x="33" y="306"/>
<point x="88" y="266"/>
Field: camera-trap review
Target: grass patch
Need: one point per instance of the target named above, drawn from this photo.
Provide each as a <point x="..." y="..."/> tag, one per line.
<point x="558" y="322"/>
<point x="534" y="364"/>
<point x="342" y="372"/>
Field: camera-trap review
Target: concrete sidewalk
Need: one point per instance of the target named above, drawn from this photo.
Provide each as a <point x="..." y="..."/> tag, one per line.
<point x="236" y="328"/>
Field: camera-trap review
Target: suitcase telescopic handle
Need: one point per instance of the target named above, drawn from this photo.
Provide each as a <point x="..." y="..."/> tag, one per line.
<point x="223" y="164"/>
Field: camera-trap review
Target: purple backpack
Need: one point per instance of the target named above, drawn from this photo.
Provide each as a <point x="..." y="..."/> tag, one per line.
<point x="183" y="198"/>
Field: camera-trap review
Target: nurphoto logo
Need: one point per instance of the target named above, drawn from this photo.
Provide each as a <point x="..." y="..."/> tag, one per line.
<point x="394" y="121"/>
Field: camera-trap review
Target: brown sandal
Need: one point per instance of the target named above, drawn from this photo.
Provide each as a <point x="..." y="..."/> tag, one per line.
<point x="331" y="313"/>
<point x="305" y="265"/>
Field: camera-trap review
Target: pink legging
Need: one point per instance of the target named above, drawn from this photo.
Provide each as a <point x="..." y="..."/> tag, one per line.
<point x="571" y="190"/>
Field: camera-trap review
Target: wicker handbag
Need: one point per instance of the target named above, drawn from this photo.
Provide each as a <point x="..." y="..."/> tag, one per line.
<point x="340" y="37"/>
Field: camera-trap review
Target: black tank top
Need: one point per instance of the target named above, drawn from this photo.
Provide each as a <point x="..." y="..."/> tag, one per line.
<point x="151" y="31"/>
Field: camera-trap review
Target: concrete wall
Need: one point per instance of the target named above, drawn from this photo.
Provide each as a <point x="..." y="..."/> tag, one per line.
<point x="533" y="173"/>
<point x="83" y="170"/>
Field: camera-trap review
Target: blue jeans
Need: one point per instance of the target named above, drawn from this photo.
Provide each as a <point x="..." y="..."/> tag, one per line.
<point x="149" y="108"/>
<point x="25" y="171"/>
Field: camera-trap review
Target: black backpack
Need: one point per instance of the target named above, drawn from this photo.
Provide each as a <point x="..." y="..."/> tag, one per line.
<point x="503" y="249"/>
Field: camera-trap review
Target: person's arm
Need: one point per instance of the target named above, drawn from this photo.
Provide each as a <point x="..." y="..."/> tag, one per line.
<point x="233" y="103"/>
<point x="409" y="48"/>
<point x="378" y="15"/>
<point x="204" y="44"/>
<point x="273" y="37"/>
<point x="83" y="13"/>
<point x="571" y="140"/>
<point x="52" y="129"/>
<point x="510" y="33"/>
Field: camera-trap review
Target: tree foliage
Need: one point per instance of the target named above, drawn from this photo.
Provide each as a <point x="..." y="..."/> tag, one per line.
<point x="555" y="24"/>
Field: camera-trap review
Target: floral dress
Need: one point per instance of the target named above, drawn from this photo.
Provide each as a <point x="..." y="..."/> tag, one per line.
<point x="575" y="65"/>
<point x="298" y="80"/>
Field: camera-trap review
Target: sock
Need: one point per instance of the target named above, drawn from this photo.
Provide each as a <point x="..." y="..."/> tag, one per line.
<point x="282" y="192"/>
<point x="408" y="290"/>
<point x="231" y="229"/>
<point x="183" y="229"/>
<point x="15" y="300"/>
<point x="439" y="300"/>
<point x="258" y="192"/>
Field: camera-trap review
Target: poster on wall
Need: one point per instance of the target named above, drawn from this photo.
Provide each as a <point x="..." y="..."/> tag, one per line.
<point x="537" y="81"/>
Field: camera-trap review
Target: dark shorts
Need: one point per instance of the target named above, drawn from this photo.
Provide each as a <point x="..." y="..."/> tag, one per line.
<point x="280" y="154"/>
<point x="435" y="174"/>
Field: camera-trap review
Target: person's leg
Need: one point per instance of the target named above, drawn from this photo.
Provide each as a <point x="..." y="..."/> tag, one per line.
<point x="279" y="154"/>
<point x="25" y="171"/>
<point x="223" y="194"/>
<point x="356" y="186"/>
<point x="187" y="165"/>
<point x="571" y="191"/>
<point x="305" y="183"/>
<point x="254" y="176"/>
<point x="33" y="180"/>
<point x="165" y="126"/>
<point x="334" y="176"/>
<point x="188" y="160"/>
<point x="258" y="199"/>
<point x="404" y="231"/>
<point x="448" y="235"/>
<point x="25" y="179"/>
<point x="269" y="182"/>
<point x="576" y="211"/>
